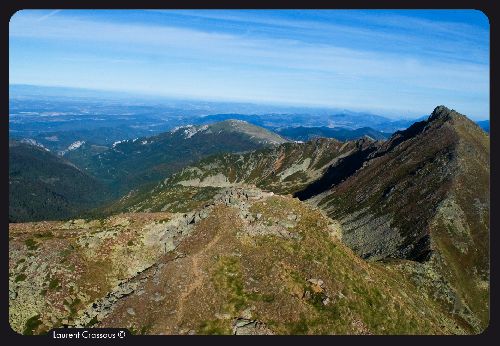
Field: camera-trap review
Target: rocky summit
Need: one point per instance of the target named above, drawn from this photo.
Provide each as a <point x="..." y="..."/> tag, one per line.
<point x="323" y="237"/>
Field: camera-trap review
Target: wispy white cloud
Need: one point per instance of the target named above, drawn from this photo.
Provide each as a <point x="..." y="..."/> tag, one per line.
<point x="441" y="36"/>
<point x="99" y="60"/>
<point x="367" y="17"/>
<point x="271" y="53"/>
<point x="269" y="67"/>
<point x="50" y="14"/>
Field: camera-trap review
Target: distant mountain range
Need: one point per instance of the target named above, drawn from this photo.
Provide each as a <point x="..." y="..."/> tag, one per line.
<point x="59" y="117"/>
<point x="344" y="120"/>
<point x="301" y="133"/>
<point x="132" y="163"/>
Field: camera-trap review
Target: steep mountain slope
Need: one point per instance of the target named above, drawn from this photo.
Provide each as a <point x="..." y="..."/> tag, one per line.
<point x="301" y="133"/>
<point x="282" y="169"/>
<point x="423" y="162"/>
<point x="423" y="195"/>
<point x="131" y="163"/>
<point x="247" y="263"/>
<point x="43" y="186"/>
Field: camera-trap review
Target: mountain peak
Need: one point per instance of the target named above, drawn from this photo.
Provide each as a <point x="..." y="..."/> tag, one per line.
<point x="444" y="113"/>
<point x="255" y="132"/>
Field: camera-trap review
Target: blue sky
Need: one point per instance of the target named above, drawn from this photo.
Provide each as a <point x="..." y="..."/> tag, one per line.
<point x="400" y="63"/>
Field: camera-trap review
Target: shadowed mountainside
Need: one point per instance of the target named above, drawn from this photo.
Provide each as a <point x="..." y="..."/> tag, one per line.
<point x="43" y="186"/>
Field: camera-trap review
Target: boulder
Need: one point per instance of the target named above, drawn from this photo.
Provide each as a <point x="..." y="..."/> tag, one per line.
<point x="243" y="326"/>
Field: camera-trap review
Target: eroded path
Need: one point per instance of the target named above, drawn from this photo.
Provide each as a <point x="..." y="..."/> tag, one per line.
<point x="196" y="273"/>
<point x="178" y="293"/>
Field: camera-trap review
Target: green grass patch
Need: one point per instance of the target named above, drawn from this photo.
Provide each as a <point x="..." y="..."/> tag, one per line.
<point x="92" y="322"/>
<point x="73" y="306"/>
<point x="20" y="277"/>
<point x="300" y="327"/>
<point x="47" y="235"/>
<point x="31" y="244"/>
<point x="214" y="327"/>
<point x="54" y="283"/>
<point x="146" y="329"/>
<point x="31" y="325"/>
<point x="267" y="298"/>
<point x="227" y="278"/>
